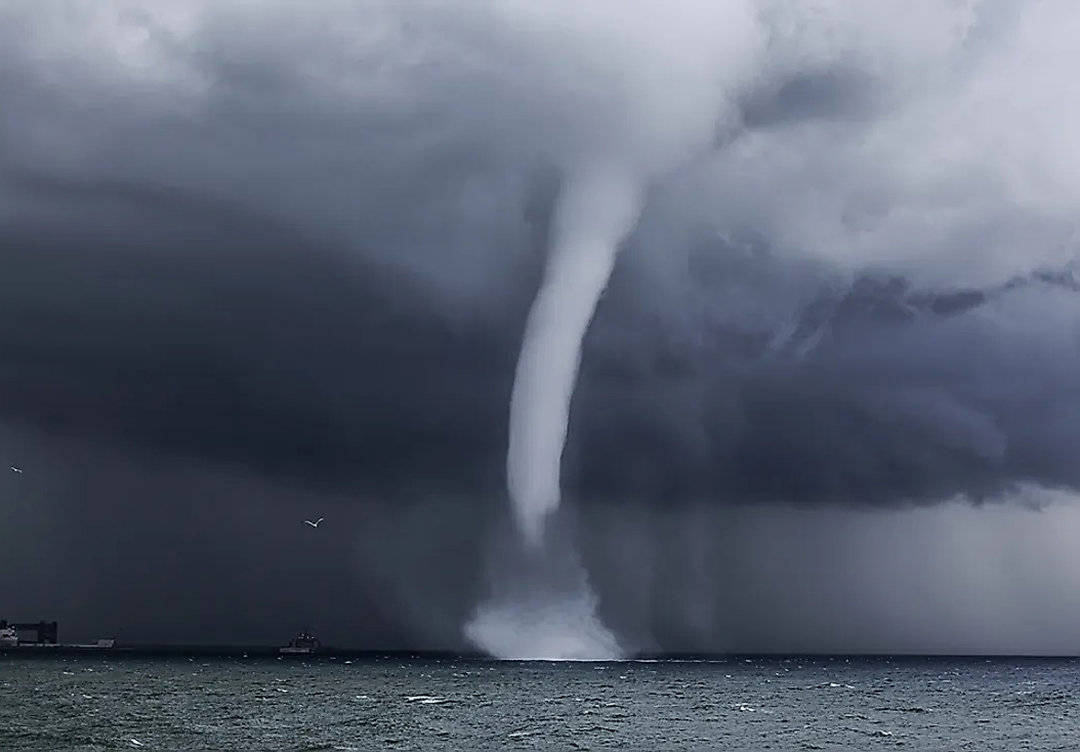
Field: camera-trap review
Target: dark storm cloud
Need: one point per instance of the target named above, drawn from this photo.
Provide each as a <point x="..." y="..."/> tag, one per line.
<point x="209" y="335"/>
<point x="880" y="393"/>
<point x="301" y="247"/>
<point x="172" y="281"/>
<point x="320" y="370"/>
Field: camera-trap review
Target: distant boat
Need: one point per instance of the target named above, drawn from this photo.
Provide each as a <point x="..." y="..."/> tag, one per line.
<point x="302" y="644"/>
<point x="8" y="637"/>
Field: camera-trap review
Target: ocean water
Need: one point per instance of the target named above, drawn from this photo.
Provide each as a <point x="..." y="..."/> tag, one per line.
<point x="58" y="703"/>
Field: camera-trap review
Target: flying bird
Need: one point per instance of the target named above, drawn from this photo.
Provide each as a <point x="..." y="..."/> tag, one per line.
<point x="16" y="470"/>
<point x="315" y="523"/>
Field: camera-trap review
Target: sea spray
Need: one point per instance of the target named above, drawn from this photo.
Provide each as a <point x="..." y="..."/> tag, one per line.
<point x="540" y="605"/>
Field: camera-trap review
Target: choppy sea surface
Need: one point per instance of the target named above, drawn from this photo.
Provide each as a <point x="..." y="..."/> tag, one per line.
<point x="60" y="703"/>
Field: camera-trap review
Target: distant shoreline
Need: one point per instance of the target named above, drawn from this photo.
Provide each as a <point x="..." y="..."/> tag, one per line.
<point x="332" y="653"/>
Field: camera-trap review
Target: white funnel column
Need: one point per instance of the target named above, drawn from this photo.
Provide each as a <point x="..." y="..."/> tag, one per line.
<point x="595" y="212"/>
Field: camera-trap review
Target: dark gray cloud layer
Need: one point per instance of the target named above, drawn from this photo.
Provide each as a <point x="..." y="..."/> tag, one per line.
<point x="317" y="369"/>
<point x="286" y="259"/>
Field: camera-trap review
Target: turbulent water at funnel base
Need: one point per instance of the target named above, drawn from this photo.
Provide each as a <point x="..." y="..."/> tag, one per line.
<point x="72" y="703"/>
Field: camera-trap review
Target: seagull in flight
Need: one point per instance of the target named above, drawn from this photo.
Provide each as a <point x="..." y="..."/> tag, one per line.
<point x="315" y="523"/>
<point x="16" y="469"/>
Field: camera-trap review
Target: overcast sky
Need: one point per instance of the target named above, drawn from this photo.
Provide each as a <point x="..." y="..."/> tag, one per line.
<point x="261" y="261"/>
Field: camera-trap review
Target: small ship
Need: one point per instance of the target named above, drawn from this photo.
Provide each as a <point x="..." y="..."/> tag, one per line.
<point x="302" y="644"/>
<point x="8" y="637"/>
